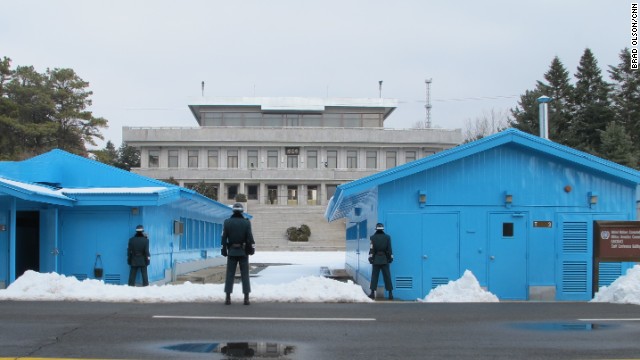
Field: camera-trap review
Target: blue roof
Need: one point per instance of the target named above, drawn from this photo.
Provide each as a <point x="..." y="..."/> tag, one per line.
<point x="346" y="194"/>
<point x="61" y="178"/>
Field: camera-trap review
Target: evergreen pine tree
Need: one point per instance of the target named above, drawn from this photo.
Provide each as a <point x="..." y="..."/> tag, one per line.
<point x="525" y="115"/>
<point x="616" y="145"/>
<point x="558" y="87"/>
<point x="626" y="96"/>
<point x="108" y="155"/>
<point x="128" y="157"/>
<point x="590" y="105"/>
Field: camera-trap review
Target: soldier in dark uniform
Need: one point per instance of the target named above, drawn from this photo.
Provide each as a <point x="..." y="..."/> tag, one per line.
<point x="138" y="256"/>
<point x="380" y="256"/>
<point x="237" y="245"/>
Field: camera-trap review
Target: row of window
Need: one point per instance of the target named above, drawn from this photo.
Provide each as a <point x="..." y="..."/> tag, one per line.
<point x="312" y="159"/>
<point x="272" y="195"/>
<point x="244" y="119"/>
<point x="199" y="235"/>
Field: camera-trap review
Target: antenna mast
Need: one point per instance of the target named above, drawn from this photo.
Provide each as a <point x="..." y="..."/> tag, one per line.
<point x="427" y="106"/>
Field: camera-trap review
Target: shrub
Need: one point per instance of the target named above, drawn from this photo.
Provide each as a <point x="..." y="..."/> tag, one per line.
<point x="299" y="234"/>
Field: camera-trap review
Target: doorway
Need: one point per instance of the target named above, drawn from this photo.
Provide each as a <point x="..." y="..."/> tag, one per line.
<point x="508" y="256"/>
<point x="27" y="241"/>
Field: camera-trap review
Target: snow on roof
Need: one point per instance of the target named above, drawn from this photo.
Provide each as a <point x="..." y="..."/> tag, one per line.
<point x="114" y="190"/>
<point x="33" y="188"/>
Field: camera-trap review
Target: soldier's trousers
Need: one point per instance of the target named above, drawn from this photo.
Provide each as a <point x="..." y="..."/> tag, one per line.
<point x="232" y="264"/>
<point x="386" y="275"/>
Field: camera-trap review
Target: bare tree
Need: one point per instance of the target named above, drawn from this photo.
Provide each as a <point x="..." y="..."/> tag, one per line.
<point x="490" y="122"/>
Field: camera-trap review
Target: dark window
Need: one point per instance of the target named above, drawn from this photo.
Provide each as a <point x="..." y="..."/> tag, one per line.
<point x="507" y="229"/>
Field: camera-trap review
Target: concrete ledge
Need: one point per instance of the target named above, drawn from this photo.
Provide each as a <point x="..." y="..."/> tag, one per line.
<point x="542" y="293"/>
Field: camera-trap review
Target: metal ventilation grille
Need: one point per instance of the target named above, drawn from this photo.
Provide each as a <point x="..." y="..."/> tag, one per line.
<point x="574" y="237"/>
<point x="112" y="279"/>
<point x="435" y="282"/>
<point x="608" y="273"/>
<point x="405" y="282"/>
<point x="80" y="277"/>
<point x="574" y="276"/>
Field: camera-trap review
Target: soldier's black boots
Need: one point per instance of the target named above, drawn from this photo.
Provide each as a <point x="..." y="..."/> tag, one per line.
<point x="390" y="295"/>
<point x="227" y="300"/>
<point x="246" y="299"/>
<point x="372" y="296"/>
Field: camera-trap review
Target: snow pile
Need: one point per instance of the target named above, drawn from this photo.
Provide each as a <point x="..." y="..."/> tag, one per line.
<point x="465" y="289"/>
<point x="52" y="286"/>
<point x="624" y="290"/>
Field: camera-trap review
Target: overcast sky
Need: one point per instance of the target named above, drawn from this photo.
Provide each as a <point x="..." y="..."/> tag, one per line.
<point x="145" y="60"/>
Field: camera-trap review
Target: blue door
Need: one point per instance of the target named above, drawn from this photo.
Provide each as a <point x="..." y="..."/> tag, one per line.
<point x="440" y="250"/>
<point x="508" y="256"/>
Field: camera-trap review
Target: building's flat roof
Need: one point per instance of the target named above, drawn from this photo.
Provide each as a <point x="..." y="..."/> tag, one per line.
<point x="293" y="104"/>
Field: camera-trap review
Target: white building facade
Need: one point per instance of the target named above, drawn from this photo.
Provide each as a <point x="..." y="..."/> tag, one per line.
<point x="282" y="151"/>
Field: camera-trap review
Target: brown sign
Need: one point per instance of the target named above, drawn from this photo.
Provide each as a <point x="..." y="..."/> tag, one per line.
<point x="617" y="240"/>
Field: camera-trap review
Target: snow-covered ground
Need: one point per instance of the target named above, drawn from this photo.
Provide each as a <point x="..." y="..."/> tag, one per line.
<point x="300" y="281"/>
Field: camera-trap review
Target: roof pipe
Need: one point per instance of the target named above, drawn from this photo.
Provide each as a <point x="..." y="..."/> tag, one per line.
<point x="544" y="116"/>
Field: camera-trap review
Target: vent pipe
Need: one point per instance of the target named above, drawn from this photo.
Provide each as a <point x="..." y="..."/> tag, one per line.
<point x="544" y="116"/>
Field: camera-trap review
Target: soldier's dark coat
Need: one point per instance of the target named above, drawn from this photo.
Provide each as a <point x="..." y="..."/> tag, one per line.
<point x="237" y="245"/>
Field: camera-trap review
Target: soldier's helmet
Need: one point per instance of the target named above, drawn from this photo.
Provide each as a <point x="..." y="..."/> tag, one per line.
<point x="379" y="226"/>
<point x="237" y="207"/>
<point x="139" y="228"/>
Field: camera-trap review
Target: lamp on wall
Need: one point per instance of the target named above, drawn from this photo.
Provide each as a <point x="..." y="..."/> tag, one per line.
<point x="593" y="198"/>
<point x="508" y="199"/>
<point x="422" y="198"/>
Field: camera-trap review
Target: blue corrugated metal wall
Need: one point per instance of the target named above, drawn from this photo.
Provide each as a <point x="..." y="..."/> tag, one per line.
<point x="543" y="189"/>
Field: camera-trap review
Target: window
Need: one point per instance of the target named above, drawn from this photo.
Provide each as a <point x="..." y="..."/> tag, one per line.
<point x="371" y="120"/>
<point x="232" y="191"/>
<point x="507" y="229"/>
<point x="293" y="120"/>
<point x="212" y="158"/>
<point x="312" y="195"/>
<point x="292" y="195"/>
<point x="332" y="159"/>
<point x="273" y="120"/>
<point x="331" y="190"/>
<point x="173" y="158"/>
<point x="332" y="120"/>
<point x="232" y="159"/>
<point x="252" y="192"/>
<point x="252" y="159"/>
<point x="352" y="159"/>
<point x="192" y="160"/>
<point x="272" y="194"/>
<point x="391" y="159"/>
<point x="410" y="156"/>
<point x="292" y="161"/>
<point x="211" y="119"/>
<point x="272" y="159"/>
<point x="312" y="159"/>
<point x="311" y="120"/>
<point x="351" y="120"/>
<point x="372" y="159"/>
<point x="154" y="158"/>
<point x="252" y="119"/>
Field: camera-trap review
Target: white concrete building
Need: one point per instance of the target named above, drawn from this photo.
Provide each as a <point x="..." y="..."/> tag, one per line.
<point x="287" y="155"/>
<point x="282" y="151"/>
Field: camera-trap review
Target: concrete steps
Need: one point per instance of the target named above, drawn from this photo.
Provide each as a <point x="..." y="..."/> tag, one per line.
<point x="270" y="223"/>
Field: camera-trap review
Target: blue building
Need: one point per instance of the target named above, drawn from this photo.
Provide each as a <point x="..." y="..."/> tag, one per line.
<point x="515" y="209"/>
<point x="63" y="213"/>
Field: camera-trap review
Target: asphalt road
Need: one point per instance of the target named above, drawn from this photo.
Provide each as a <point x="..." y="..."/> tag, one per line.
<point x="383" y="330"/>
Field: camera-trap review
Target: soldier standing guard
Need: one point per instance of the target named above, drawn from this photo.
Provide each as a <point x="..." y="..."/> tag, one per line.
<point x="138" y="256"/>
<point x="237" y="245"/>
<point x="380" y="256"/>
